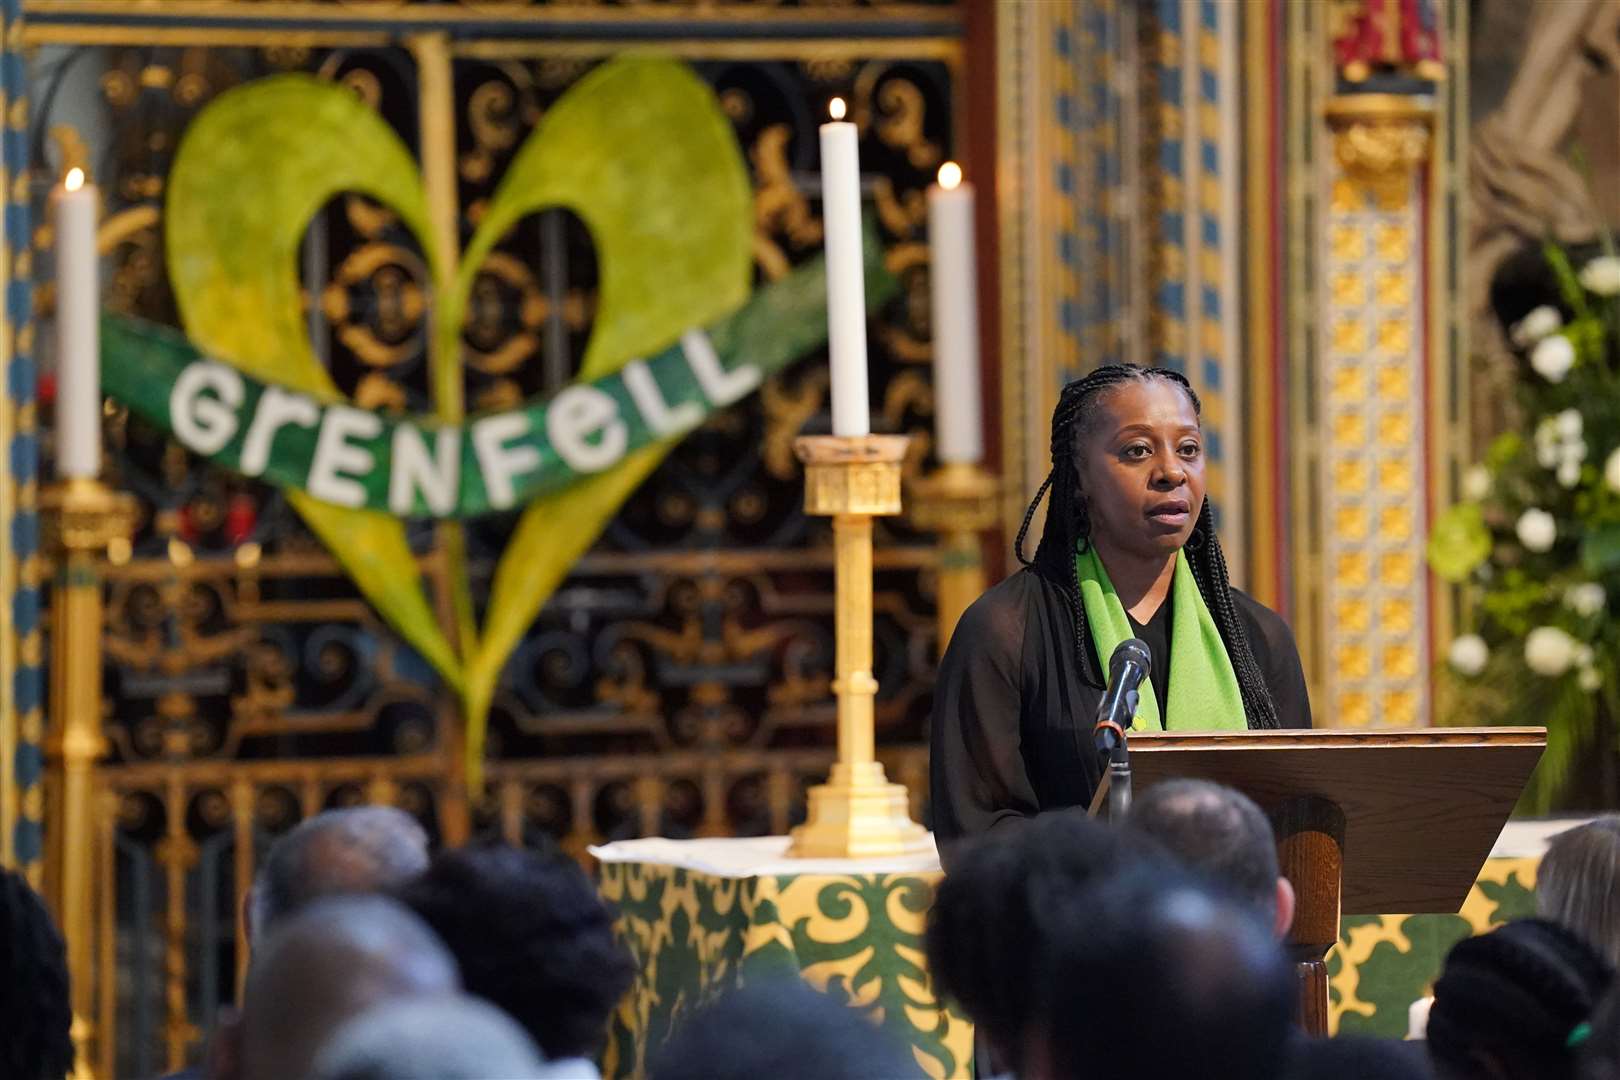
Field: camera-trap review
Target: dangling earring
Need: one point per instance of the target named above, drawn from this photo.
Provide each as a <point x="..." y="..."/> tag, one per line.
<point x="1196" y="539"/>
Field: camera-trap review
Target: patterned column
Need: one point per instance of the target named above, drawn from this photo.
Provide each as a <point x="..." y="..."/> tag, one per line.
<point x="1193" y="322"/>
<point x="22" y="724"/>
<point x="1120" y="135"/>
<point x="1373" y="389"/>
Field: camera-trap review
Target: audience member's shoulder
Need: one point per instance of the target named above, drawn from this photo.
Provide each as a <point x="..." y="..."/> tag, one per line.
<point x="1352" y="1057"/>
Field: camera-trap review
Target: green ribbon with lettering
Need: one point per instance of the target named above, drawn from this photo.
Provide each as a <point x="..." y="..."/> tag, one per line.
<point x="419" y="467"/>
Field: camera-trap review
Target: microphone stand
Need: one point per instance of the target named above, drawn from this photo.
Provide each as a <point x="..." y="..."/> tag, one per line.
<point x="1119" y="781"/>
<point x="1112" y="799"/>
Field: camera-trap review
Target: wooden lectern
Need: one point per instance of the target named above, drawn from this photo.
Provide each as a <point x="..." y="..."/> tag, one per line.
<point x="1368" y="822"/>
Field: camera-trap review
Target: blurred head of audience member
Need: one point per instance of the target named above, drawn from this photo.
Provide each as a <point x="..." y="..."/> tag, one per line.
<point x="785" y="1031"/>
<point x="1515" y="1004"/>
<point x="35" y="1014"/>
<point x="361" y="849"/>
<point x="1220" y="833"/>
<point x="1156" y="975"/>
<point x="437" y="1038"/>
<point x="1352" y="1057"/>
<point x="1600" y="1049"/>
<point x="320" y="968"/>
<point x="983" y="938"/>
<point x="532" y="936"/>
<point x="1578" y="883"/>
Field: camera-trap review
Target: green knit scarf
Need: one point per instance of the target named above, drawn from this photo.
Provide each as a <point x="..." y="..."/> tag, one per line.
<point x="1203" y="690"/>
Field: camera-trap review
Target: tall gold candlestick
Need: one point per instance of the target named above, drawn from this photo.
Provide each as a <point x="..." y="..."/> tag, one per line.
<point x="81" y="517"/>
<point x="857" y="812"/>
<point x="957" y="503"/>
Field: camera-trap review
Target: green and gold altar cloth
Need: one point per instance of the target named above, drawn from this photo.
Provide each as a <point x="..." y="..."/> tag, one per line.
<point x="702" y="916"/>
<point x="1383" y="963"/>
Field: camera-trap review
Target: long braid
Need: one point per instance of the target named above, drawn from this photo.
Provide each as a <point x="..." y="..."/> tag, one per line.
<point x="1068" y="526"/>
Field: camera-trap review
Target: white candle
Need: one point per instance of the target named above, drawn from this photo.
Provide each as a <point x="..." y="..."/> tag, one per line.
<point x="846" y="288"/>
<point x="78" y="328"/>
<point x="958" y="429"/>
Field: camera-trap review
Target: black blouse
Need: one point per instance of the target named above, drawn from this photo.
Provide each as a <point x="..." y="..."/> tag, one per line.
<point x="1012" y="710"/>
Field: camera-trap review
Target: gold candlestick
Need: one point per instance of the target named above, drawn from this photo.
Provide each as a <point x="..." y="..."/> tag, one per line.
<point x="857" y="812"/>
<point x="81" y="516"/>
<point x="957" y="503"/>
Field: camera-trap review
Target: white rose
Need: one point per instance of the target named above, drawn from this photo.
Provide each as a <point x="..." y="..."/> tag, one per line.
<point x="1537" y="530"/>
<point x="1538" y="324"/>
<point x="1575" y="451"/>
<point x="1468" y="655"/>
<point x="1547" y="455"/>
<point x="1590" y="679"/>
<point x="1476" y="483"/>
<point x="1569" y="473"/>
<point x="1549" y="651"/>
<point x="1553" y="357"/>
<point x="1569" y="424"/>
<point x="1586" y="599"/>
<point x="1602" y="275"/>
<point x="1611" y="470"/>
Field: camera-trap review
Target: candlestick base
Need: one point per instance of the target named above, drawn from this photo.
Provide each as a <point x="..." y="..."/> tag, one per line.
<point x="957" y="502"/>
<point x="858" y="814"/>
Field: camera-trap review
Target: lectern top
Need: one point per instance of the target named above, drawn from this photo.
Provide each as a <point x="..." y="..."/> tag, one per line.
<point x="1422" y="806"/>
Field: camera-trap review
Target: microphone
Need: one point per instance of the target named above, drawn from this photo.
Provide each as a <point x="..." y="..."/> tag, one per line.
<point x="1130" y="664"/>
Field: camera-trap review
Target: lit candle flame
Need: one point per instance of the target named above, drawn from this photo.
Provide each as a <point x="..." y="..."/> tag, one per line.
<point x="950" y="176"/>
<point x="836" y="108"/>
<point x="74" y="180"/>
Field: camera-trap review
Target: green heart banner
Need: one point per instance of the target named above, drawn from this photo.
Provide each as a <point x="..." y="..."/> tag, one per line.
<point x="422" y="467"/>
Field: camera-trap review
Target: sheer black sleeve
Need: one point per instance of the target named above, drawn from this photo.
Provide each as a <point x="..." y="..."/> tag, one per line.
<point x="1278" y="656"/>
<point x="978" y="780"/>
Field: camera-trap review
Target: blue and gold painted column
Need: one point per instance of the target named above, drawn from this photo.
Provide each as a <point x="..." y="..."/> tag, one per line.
<point x="1120" y="138"/>
<point x="22" y="723"/>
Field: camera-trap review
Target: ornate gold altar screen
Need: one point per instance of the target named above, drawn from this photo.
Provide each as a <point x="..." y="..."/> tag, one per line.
<point x="677" y="684"/>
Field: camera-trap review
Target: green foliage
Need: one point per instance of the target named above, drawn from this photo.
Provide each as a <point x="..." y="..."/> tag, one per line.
<point x="1557" y="465"/>
<point x="1459" y="543"/>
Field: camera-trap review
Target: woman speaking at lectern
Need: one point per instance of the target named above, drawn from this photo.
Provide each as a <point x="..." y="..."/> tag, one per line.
<point x="1129" y="551"/>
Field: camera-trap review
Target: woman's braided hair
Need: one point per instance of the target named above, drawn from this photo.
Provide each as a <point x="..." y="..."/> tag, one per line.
<point x="1068" y="525"/>
<point x="1519" y="993"/>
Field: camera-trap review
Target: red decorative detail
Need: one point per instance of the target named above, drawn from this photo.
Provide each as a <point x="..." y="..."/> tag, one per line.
<point x="1387" y="35"/>
<point x="186" y="525"/>
<point x="240" y="519"/>
<point x="45" y="389"/>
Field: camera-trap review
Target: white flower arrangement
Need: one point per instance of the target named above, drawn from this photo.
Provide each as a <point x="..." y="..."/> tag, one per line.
<point x="1541" y="322"/>
<point x="1535" y="541"/>
<point x="1602" y="276"/>
<point x="1468" y="655"/>
<point x="1537" y="530"/>
<point x="1553" y="357"/>
<point x="1549" y="651"/>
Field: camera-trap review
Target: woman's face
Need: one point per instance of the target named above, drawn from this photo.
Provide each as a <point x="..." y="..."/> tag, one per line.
<point x="1141" y="465"/>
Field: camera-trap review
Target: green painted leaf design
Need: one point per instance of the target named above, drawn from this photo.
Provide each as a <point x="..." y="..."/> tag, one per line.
<point x="642" y="152"/>
<point x="251" y="172"/>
